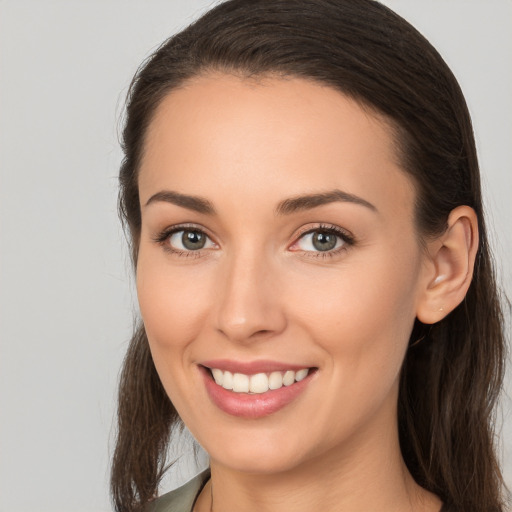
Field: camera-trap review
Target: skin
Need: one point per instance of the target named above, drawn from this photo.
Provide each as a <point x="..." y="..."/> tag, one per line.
<point x="259" y="291"/>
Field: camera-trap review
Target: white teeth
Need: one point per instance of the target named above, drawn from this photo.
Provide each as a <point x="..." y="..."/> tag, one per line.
<point x="289" y="378"/>
<point x="301" y="374"/>
<point x="218" y="375"/>
<point x="275" y="380"/>
<point x="258" y="383"/>
<point x="240" y="383"/>
<point x="227" y="380"/>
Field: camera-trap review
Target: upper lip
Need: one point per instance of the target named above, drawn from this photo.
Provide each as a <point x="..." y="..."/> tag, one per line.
<point x="252" y="367"/>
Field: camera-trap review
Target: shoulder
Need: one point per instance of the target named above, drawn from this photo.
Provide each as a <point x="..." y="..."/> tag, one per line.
<point x="181" y="499"/>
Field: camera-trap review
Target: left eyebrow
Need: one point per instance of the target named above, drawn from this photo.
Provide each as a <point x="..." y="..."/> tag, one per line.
<point x="307" y="202"/>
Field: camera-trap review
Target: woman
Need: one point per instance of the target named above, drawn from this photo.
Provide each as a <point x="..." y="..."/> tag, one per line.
<point x="318" y="303"/>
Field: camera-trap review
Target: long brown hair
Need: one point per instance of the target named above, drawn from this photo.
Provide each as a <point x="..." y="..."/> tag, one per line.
<point x="449" y="381"/>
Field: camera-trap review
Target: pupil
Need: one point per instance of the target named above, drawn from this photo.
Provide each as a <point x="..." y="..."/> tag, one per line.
<point x="324" y="241"/>
<point x="193" y="240"/>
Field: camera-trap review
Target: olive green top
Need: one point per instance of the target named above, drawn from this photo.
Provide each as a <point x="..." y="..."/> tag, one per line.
<point x="183" y="498"/>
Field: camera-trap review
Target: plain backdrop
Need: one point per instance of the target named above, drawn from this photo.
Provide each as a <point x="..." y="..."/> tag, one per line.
<point x="66" y="294"/>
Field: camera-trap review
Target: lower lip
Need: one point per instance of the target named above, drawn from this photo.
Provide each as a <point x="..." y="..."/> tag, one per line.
<point x="257" y="405"/>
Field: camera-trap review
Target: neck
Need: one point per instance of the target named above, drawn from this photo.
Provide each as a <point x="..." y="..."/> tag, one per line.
<point x="369" y="476"/>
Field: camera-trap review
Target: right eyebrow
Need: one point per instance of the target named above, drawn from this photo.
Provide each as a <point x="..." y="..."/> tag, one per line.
<point x="194" y="203"/>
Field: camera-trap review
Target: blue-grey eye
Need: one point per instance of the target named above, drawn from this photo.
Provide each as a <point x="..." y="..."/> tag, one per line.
<point x="320" y="241"/>
<point x="189" y="240"/>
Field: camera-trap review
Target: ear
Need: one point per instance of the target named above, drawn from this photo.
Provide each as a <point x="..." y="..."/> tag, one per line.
<point x="449" y="266"/>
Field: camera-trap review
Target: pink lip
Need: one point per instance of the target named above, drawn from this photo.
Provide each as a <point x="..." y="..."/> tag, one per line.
<point x="251" y="368"/>
<point x="246" y="405"/>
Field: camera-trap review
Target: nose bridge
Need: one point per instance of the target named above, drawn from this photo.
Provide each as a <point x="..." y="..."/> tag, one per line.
<point x="248" y="307"/>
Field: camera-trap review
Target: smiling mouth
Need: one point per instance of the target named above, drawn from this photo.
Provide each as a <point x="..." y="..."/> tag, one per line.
<point x="256" y="389"/>
<point x="257" y="383"/>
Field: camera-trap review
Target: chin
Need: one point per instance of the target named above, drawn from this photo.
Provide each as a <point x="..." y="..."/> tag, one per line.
<point x="261" y="454"/>
<point x="259" y="464"/>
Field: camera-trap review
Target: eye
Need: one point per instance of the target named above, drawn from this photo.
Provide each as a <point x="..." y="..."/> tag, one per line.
<point x="323" y="240"/>
<point x="183" y="240"/>
<point x="319" y="241"/>
<point x="189" y="240"/>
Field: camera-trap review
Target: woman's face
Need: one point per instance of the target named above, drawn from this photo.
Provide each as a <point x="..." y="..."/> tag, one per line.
<point x="277" y="240"/>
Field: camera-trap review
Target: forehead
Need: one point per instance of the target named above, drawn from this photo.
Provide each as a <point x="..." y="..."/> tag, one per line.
<point x="268" y="139"/>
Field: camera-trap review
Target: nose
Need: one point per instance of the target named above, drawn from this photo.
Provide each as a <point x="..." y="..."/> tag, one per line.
<point x="249" y="306"/>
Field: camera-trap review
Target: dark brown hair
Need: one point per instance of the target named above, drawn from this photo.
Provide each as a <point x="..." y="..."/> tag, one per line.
<point x="449" y="381"/>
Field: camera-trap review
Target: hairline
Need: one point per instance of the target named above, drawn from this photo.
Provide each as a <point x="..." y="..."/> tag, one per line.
<point x="397" y="132"/>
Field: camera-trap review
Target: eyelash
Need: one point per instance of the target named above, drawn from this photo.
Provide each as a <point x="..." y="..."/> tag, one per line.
<point x="163" y="239"/>
<point x="347" y="239"/>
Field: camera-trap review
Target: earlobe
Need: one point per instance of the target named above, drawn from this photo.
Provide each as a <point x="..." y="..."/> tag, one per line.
<point x="451" y="262"/>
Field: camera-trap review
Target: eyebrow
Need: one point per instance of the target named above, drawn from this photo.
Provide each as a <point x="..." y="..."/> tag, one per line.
<point x="307" y="202"/>
<point x="286" y="207"/>
<point x="195" y="203"/>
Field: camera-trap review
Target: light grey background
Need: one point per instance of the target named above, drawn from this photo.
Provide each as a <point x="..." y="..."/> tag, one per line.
<point x="66" y="299"/>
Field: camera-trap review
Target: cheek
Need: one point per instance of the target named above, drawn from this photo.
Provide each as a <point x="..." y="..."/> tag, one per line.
<point x="172" y="302"/>
<point x="363" y="314"/>
<point x="361" y="321"/>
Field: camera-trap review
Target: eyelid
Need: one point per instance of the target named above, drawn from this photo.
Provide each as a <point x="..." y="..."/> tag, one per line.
<point x="324" y="227"/>
<point x="347" y="238"/>
<point x="163" y="236"/>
